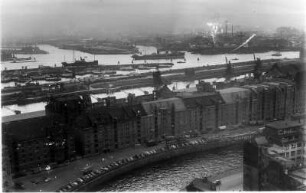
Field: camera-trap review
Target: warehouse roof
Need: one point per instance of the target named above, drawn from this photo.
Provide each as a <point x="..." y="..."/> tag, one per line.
<point x="230" y="95"/>
<point x="164" y="103"/>
<point x="284" y="124"/>
<point x="23" y="116"/>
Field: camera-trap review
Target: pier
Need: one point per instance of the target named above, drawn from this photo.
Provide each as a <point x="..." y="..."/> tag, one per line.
<point x="26" y="95"/>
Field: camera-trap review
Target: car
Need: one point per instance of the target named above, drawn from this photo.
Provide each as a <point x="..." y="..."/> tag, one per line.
<point x="64" y="189"/>
<point x="131" y="158"/>
<point x="80" y="180"/>
<point x="73" y="183"/>
<point x="217" y="182"/>
<point x="47" y="179"/>
<point x="90" y="175"/>
<point x="86" y="178"/>
<point x="97" y="171"/>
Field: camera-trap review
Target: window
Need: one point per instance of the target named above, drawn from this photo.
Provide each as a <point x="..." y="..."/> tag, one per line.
<point x="293" y="153"/>
<point x="299" y="144"/>
<point x="299" y="152"/>
<point x="287" y="154"/>
<point x="293" y="145"/>
<point x="286" y="147"/>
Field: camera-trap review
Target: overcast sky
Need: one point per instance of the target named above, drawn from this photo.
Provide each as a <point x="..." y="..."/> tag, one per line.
<point x="94" y="17"/>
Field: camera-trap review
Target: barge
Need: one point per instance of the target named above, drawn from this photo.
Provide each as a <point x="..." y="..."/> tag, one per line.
<point x="158" y="56"/>
<point x="81" y="63"/>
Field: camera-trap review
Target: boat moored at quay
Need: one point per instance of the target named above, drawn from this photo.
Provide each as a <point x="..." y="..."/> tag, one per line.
<point x="158" y="56"/>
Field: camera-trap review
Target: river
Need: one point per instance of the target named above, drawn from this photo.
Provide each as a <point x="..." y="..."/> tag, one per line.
<point x="56" y="56"/>
<point x="176" y="173"/>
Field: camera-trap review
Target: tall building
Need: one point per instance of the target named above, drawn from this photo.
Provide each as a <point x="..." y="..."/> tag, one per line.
<point x="287" y="138"/>
<point x="273" y="161"/>
<point x="72" y="126"/>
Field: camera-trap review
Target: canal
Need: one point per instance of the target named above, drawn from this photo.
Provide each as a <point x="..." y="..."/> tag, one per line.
<point x="176" y="173"/>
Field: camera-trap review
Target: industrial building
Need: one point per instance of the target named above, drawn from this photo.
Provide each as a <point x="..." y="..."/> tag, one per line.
<point x="275" y="160"/>
<point x="72" y="126"/>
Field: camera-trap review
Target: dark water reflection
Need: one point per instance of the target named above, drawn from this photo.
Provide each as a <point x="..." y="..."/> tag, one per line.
<point x="174" y="174"/>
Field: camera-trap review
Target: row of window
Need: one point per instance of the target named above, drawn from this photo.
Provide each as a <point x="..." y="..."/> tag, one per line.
<point x="294" y="145"/>
<point x="293" y="153"/>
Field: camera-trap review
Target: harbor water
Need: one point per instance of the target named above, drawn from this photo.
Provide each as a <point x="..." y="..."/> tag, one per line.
<point x="176" y="173"/>
<point x="56" y="56"/>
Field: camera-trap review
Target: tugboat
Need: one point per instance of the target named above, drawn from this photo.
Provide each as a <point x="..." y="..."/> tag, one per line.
<point x="80" y="63"/>
<point x="277" y="54"/>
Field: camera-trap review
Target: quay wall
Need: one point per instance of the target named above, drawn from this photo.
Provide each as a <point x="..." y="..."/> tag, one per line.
<point x="97" y="183"/>
<point x="144" y="80"/>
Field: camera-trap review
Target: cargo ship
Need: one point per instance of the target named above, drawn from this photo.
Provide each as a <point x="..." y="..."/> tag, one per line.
<point x="158" y="56"/>
<point x="80" y="63"/>
<point x="277" y="54"/>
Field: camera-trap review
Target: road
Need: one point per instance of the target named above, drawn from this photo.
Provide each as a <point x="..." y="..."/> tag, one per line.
<point x="63" y="175"/>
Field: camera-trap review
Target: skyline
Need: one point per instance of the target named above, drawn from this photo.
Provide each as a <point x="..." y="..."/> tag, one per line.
<point x="37" y="18"/>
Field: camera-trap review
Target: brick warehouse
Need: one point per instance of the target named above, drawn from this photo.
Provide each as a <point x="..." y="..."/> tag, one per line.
<point x="72" y="126"/>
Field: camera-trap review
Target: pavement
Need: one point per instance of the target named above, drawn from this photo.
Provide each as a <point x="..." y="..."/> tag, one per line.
<point x="63" y="175"/>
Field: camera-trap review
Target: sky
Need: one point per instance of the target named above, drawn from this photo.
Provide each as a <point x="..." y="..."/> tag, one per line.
<point x="47" y="18"/>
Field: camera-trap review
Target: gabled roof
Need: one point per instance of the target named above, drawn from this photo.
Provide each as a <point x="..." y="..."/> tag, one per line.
<point x="284" y="124"/>
<point x="279" y="70"/>
<point x="202" y="99"/>
<point x="106" y="115"/>
<point x="23" y="116"/>
<point x="27" y="128"/>
<point x="164" y="103"/>
<point x="231" y="95"/>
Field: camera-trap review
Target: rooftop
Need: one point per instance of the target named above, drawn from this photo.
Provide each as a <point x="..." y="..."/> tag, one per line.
<point x="283" y="124"/>
<point x="23" y="116"/>
<point x="202" y="99"/>
<point x="164" y="103"/>
<point x="230" y="95"/>
<point x="188" y="90"/>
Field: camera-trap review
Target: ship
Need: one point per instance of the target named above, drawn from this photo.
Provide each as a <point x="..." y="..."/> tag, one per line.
<point x="54" y="78"/>
<point x="80" y="63"/>
<point x="277" y="54"/>
<point x="23" y="60"/>
<point x="158" y="56"/>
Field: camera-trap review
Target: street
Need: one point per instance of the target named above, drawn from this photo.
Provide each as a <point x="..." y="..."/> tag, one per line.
<point x="63" y="175"/>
